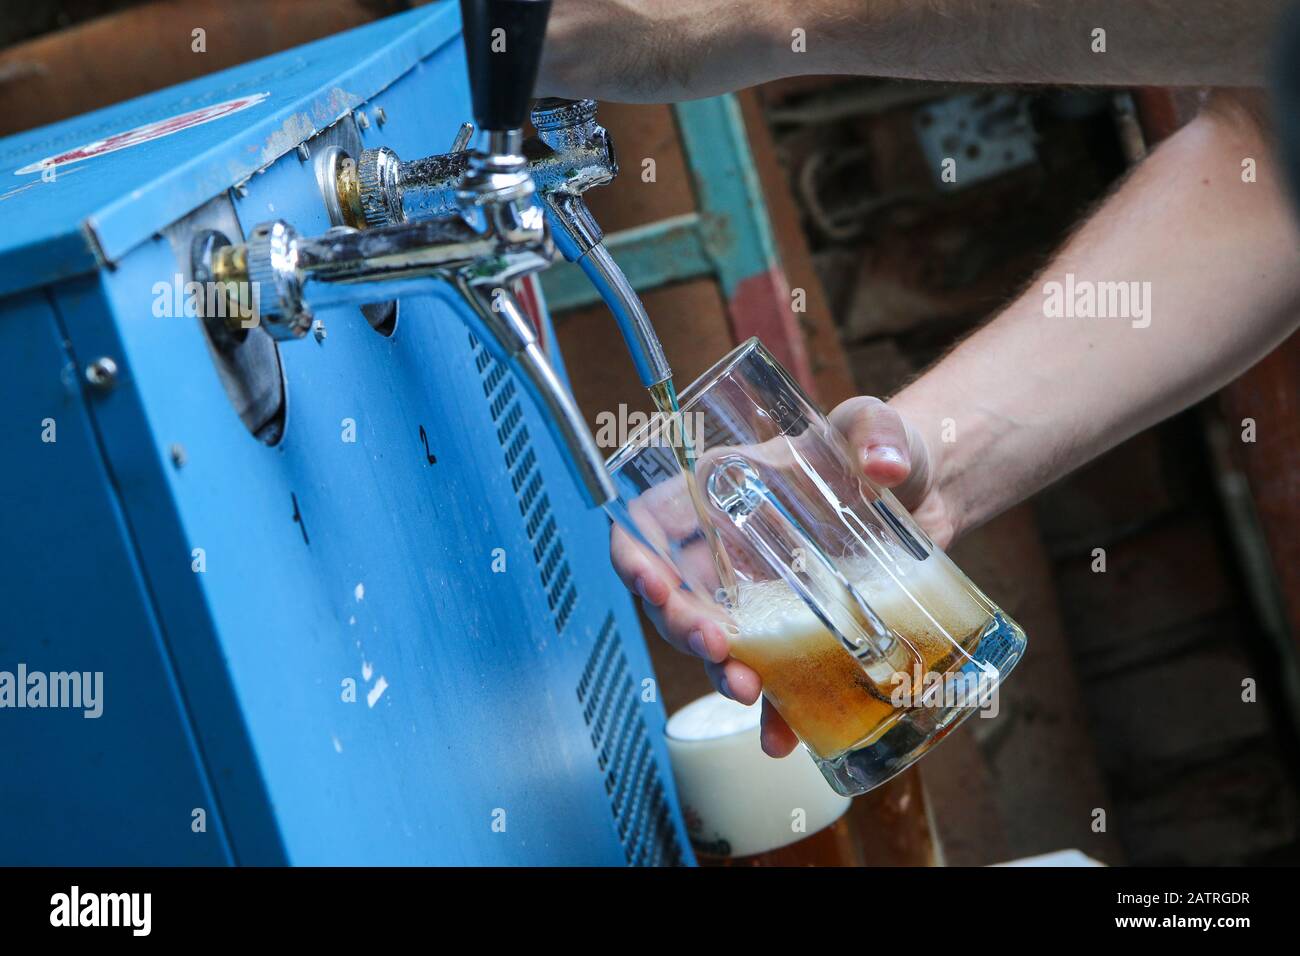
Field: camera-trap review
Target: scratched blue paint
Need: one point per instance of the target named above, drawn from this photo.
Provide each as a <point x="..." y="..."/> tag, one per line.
<point x="116" y="200"/>
<point x="326" y="561"/>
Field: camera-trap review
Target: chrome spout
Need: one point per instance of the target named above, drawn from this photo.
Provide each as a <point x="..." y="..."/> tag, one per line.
<point x="488" y="231"/>
<point x="629" y="313"/>
<point x="571" y="153"/>
<point x="578" y="155"/>
<point x="344" y="266"/>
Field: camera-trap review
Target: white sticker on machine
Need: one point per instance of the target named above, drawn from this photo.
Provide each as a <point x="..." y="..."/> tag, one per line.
<point x="143" y="134"/>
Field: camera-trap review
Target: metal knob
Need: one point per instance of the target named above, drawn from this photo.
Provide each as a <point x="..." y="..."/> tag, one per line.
<point x="379" y="183"/>
<point x="271" y="255"/>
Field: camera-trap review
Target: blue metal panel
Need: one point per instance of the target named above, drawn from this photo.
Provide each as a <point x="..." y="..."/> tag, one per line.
<point x="120" y="420"/>
<point x="499" y="717"/>
<point x="120" y="787"/>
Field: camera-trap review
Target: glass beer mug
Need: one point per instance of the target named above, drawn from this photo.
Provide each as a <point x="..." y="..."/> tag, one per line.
<point x="870" y="642"/>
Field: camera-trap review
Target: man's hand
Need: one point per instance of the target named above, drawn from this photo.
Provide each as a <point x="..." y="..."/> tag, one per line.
<point x="890" y="452"/>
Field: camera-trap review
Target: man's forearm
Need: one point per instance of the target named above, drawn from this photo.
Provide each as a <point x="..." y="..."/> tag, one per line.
<point x="664" y="50"/>
<point x="1223" y="43"/>
<point x="1209" y="266"/>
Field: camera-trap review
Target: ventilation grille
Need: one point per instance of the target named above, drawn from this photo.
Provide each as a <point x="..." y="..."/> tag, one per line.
<point x="503" y="398"/>
<point x="611" y="706"/>
<point x="607" y="693"/>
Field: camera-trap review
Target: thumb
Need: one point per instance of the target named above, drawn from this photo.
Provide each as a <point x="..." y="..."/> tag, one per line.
<point x="888" y="450"/>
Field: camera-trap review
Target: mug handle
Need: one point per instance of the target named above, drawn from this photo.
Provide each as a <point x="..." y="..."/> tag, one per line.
<point x="736" y="489"/>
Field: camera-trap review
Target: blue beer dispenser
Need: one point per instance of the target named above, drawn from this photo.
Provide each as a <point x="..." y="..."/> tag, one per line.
<point x="312" y="574"/>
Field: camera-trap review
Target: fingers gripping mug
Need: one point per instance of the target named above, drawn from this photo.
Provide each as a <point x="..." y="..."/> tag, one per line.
<point x="870" y="642"/>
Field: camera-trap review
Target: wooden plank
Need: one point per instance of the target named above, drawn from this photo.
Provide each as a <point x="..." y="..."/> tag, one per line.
<point x="832" y="381"/>
<point x="101" y="61"/>
<point x="738" y="230"/>
<point x="647" y="143"/>
<point x="1269" y="394"/>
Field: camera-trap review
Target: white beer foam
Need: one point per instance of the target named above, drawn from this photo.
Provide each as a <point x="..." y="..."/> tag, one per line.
<point x="713" y="716"/>
<point x="915" y="599"/>
<point x="735" y="793"/>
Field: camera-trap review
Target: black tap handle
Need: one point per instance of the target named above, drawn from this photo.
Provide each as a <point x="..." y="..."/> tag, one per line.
<point x="503" y="44"/>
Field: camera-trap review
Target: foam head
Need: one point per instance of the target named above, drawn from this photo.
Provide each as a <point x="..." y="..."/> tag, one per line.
<point x="738" y="801"/>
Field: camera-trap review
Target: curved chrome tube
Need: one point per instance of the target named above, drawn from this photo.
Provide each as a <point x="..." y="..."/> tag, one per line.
<point x="642" y="343"/>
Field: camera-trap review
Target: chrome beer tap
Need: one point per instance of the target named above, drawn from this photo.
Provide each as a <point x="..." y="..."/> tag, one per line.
<point x="490" y="232"/>
<point x="579" y="155"/>
<point x="570" y="154"/>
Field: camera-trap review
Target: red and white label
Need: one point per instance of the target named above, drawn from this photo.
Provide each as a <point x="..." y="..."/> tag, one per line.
<point x="143" y="134"/>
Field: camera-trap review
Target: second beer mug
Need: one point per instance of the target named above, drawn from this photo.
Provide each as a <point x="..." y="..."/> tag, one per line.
<point x="870" y="642"/>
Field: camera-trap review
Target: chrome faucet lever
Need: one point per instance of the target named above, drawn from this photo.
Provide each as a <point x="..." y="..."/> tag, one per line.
<point x="571" y="153"/>
<point x="491" y="233"/>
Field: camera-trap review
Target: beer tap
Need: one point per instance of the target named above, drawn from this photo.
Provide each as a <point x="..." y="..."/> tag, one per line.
<point x="570" y="154"/>
<point x="490" y="232"/>
<point x="580" y="154"/>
